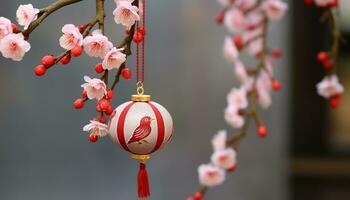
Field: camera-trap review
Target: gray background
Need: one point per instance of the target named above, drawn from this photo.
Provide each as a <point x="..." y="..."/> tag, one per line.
<point x="45" y="155"/>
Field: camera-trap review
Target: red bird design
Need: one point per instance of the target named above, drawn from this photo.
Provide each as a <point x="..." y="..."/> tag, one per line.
<point x="142" y="131"/>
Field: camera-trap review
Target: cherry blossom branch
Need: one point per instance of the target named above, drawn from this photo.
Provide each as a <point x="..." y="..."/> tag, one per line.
<point x="45" y="12"/>
<point x="253" y="22"/>
<point x="329" y="87"/>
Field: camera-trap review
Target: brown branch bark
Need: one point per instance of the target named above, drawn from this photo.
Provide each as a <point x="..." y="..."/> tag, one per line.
<point x="45" y="12"/>
<point x="126" y="44"/>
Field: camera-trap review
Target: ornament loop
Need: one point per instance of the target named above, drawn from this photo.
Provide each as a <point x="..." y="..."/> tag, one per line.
<point x="140" y="90"/>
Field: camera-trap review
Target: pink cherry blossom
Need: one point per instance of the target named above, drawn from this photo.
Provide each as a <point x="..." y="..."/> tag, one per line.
<point x="113" y="59"/>
<point x="245" y="4"/>
<point x="275" y="9"/>
<point x="96" y="128"/>
<point x="224" y="2"/>
<point x="97" y="45"/>
<point x="329" y="87"/>
<point x="255" y="47"/>
<point x="125" y="13"/>
<point x="255" y="18"/>
<point x="210" y="175"/>
<point x="323" y="3"/>
<point x="230" y="50"/>
<point x="264" y="87"/>
<point x="235" y="21"/>
<point x="26" y="14"/>
<point x="5" y="27"/>
<point x="233" y="118"/>
<point x="219" y="140"/>
<point x="252" y="34"/>
<point x="95" y="88"/>
<point x="240" y="71"/>
<point x="225" y="158"/>
<point x="238" y="98"/>
<point x="14" y="46"/>
<point x="71" y="37"/>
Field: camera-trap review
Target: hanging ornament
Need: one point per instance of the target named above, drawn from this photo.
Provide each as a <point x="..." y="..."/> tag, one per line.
<point x="141" y="126"/>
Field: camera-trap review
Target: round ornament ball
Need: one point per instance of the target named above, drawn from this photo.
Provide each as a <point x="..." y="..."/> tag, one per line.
<point x="141" y="127"/>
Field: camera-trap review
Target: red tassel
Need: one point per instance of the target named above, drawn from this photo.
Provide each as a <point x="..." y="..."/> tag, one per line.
<point x="142" y="182"/>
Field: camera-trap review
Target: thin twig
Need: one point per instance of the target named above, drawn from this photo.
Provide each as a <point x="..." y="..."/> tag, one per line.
<point x="45" y="12"/>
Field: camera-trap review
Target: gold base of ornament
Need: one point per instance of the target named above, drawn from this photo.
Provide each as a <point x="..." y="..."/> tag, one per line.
<point x="141" y="98"/>
<point x="140" y="158"/>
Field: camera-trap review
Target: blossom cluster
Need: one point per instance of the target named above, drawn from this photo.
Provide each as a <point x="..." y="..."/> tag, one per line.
<point x="13" y="45"/>
<point x="247" y="22"/>
<point x="329" y="87"/>
<point x="75" y="40"/>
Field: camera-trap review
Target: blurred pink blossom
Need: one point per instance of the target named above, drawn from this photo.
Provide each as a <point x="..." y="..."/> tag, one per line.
<point x="329" y="87"/>
<point x="225" y="158"/>
<point x="210" y="175"/>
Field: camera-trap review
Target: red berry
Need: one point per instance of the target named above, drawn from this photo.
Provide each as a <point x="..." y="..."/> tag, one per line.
<point x="334" y="101"/>
<point x="79" y="103"/>
<point x="126" y="73"/>
<point x="98" y="108"/>
<point x="198" y="196"/>
<point x="84" y="94"/>
<point x="276" y="85"/>
<point x="333" y="4"/>
<point x="262" y="131"/>
<point x="104" y="104"/>
<point x="328" y="65"/>
<point x="220" y="17"/>
<point x="82" y="28"/>
<point x="233" y="168"/>
<point x="77" y="51"/>
<point x="40" y="70"/>
<point x="93" y="138"/>
<point x="138" y="37"/>
<point x="48" y="61"/>
<point x="142" y="30"/>
<point x="102" y="119"/>
<point x="276" y="53"/>
<point x="109" y="95"/>
<point x="308" y="2"/>
<point x="109" y="110"/>
<point x="14" y="28"/>
<point x="66" y="59"/>
<point x="238" y="40"/>
<point x="322" y="56"/>
<point x="189" y="198"/>
<point x="99" y="68"/>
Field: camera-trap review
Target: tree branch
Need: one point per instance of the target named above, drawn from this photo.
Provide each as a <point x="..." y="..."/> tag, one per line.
<point x="45" y="12"/>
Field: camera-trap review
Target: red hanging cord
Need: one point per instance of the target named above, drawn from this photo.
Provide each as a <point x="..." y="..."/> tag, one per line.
<point x="137" y="55"/>
<point x="144" y="38"/>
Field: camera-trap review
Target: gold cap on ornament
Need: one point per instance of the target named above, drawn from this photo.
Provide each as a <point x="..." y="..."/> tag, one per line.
<point x="140" y="96"/>
<point x="140" y="158"/>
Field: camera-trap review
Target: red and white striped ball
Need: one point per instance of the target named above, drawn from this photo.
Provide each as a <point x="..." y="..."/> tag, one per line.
<point x="141" y="128"/>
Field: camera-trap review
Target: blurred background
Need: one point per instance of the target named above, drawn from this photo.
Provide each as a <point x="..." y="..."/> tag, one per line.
<point x="45" y="155"/>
